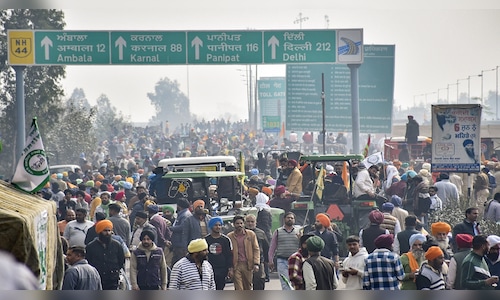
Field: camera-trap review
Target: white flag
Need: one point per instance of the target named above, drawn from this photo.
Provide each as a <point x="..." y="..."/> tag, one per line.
<point x="32" y="171"/>
<point x="373" y="159"/>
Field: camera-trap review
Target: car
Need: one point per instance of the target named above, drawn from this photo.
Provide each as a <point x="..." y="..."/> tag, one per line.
<point x="63" y="168"/>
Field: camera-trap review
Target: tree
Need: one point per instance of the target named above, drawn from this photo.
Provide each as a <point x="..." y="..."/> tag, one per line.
<point x="109" y="123"/>
<point x="78" y="99"/>
<point x="170" y="103"/>
<point x="42" y="87"/>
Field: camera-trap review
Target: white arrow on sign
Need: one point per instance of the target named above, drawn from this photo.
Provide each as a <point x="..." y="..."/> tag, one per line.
<point x="273" y="42"/>
<point x="196" y="43"/>
<point x="46" y="43"/>
<point x="120" y="43"/>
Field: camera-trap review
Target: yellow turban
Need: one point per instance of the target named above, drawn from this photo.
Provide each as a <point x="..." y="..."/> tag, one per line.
<point x="440" y="227"/>
<point x="101" y="225"/>
<point x="433" y="253"/>
<point x="197" y="245"/>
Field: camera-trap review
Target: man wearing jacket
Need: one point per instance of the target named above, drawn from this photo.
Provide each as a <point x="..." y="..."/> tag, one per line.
<point x="80" y="275"/>
<point x="196" y="225"/>
<point x="148" y="269"/>
<point x="178" y="248"/>
<point x="246" y="254"/>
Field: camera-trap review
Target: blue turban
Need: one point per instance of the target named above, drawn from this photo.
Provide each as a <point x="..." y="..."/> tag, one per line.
<point x="254" y="171"/>
<point x="387" y="206"/>
<point x="411" y="173"/>
<point x="404" y="177"/>
<point x="213" y="221"/>
<point x="396" y="200"/>
<point x="417" y="237"/>
<point x="127" y="185"/>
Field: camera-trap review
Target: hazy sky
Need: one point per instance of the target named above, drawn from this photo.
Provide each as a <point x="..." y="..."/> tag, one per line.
<point x="436" y="44"/>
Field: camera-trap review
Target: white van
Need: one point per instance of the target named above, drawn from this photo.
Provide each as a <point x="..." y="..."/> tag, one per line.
<point x="62" y="168"/>
<point x="201" y="163"/>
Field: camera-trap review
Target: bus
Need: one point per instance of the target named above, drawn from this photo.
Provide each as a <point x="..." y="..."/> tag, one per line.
<point x="201" y="163"/>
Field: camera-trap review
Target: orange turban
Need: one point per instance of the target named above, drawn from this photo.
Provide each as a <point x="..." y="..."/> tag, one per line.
<point x="433" y="253"/>
<point x="253" y="191"/>
<point x="323" y="219"/>
<point x="198" y="203"/>
<point x="101" y="225"/>
<point x="99" y="177"/>
<point x="440" y="227"/>
<point x="267" y="190"/>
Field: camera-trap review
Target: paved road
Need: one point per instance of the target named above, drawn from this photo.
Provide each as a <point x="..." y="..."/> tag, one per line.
<point x="274" y="284"/>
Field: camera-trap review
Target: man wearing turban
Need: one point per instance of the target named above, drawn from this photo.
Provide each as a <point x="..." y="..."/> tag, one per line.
<point x="464" y="245"/>
<point x="148" y="269"/>
<point x="439" y="231"/>
<point x="331" y="248"/>
<point x="383" y="270"/>
<point x="412" y="260"/>
<point x="106" y="255"/>
<point x="193" y="271"/>
<point x="368" y="235"/>
<point x="196" y="225"/>
<point x="220" y="252"/>
<point x="431" y="276"/>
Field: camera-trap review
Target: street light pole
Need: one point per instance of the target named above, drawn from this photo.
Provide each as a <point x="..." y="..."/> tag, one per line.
<point x="496" y="91"/>
<point x="458" y="80"/>
<point x="482" y="72"/>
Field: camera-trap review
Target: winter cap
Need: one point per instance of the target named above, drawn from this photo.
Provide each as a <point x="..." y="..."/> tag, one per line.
<point x="153" y="208"/>
<point x="315" y="244"/>
<point x="141" y="214"/>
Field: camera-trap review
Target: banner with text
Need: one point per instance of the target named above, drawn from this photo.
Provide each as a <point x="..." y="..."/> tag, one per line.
<point x="456" y="138"/>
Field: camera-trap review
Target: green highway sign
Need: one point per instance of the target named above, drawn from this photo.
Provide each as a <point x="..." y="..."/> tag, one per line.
<point x="300" y="46"/>
<point x="71" y="47"/>
<point x="148" y="48"/>
<point x="60" y="47"/>
<point x="224" y="47"/>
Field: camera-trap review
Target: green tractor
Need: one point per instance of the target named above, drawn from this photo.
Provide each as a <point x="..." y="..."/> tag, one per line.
<point x="336" y="200"/>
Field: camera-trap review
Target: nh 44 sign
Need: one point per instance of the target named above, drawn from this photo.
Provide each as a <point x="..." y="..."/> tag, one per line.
<point x="45" y="47"/>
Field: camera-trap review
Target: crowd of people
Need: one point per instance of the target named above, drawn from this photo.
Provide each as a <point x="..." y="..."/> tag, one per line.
<point x="110" y="222"/>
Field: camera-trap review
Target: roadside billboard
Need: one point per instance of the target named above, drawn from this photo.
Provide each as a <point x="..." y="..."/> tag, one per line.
<point x="456" y="138"/>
